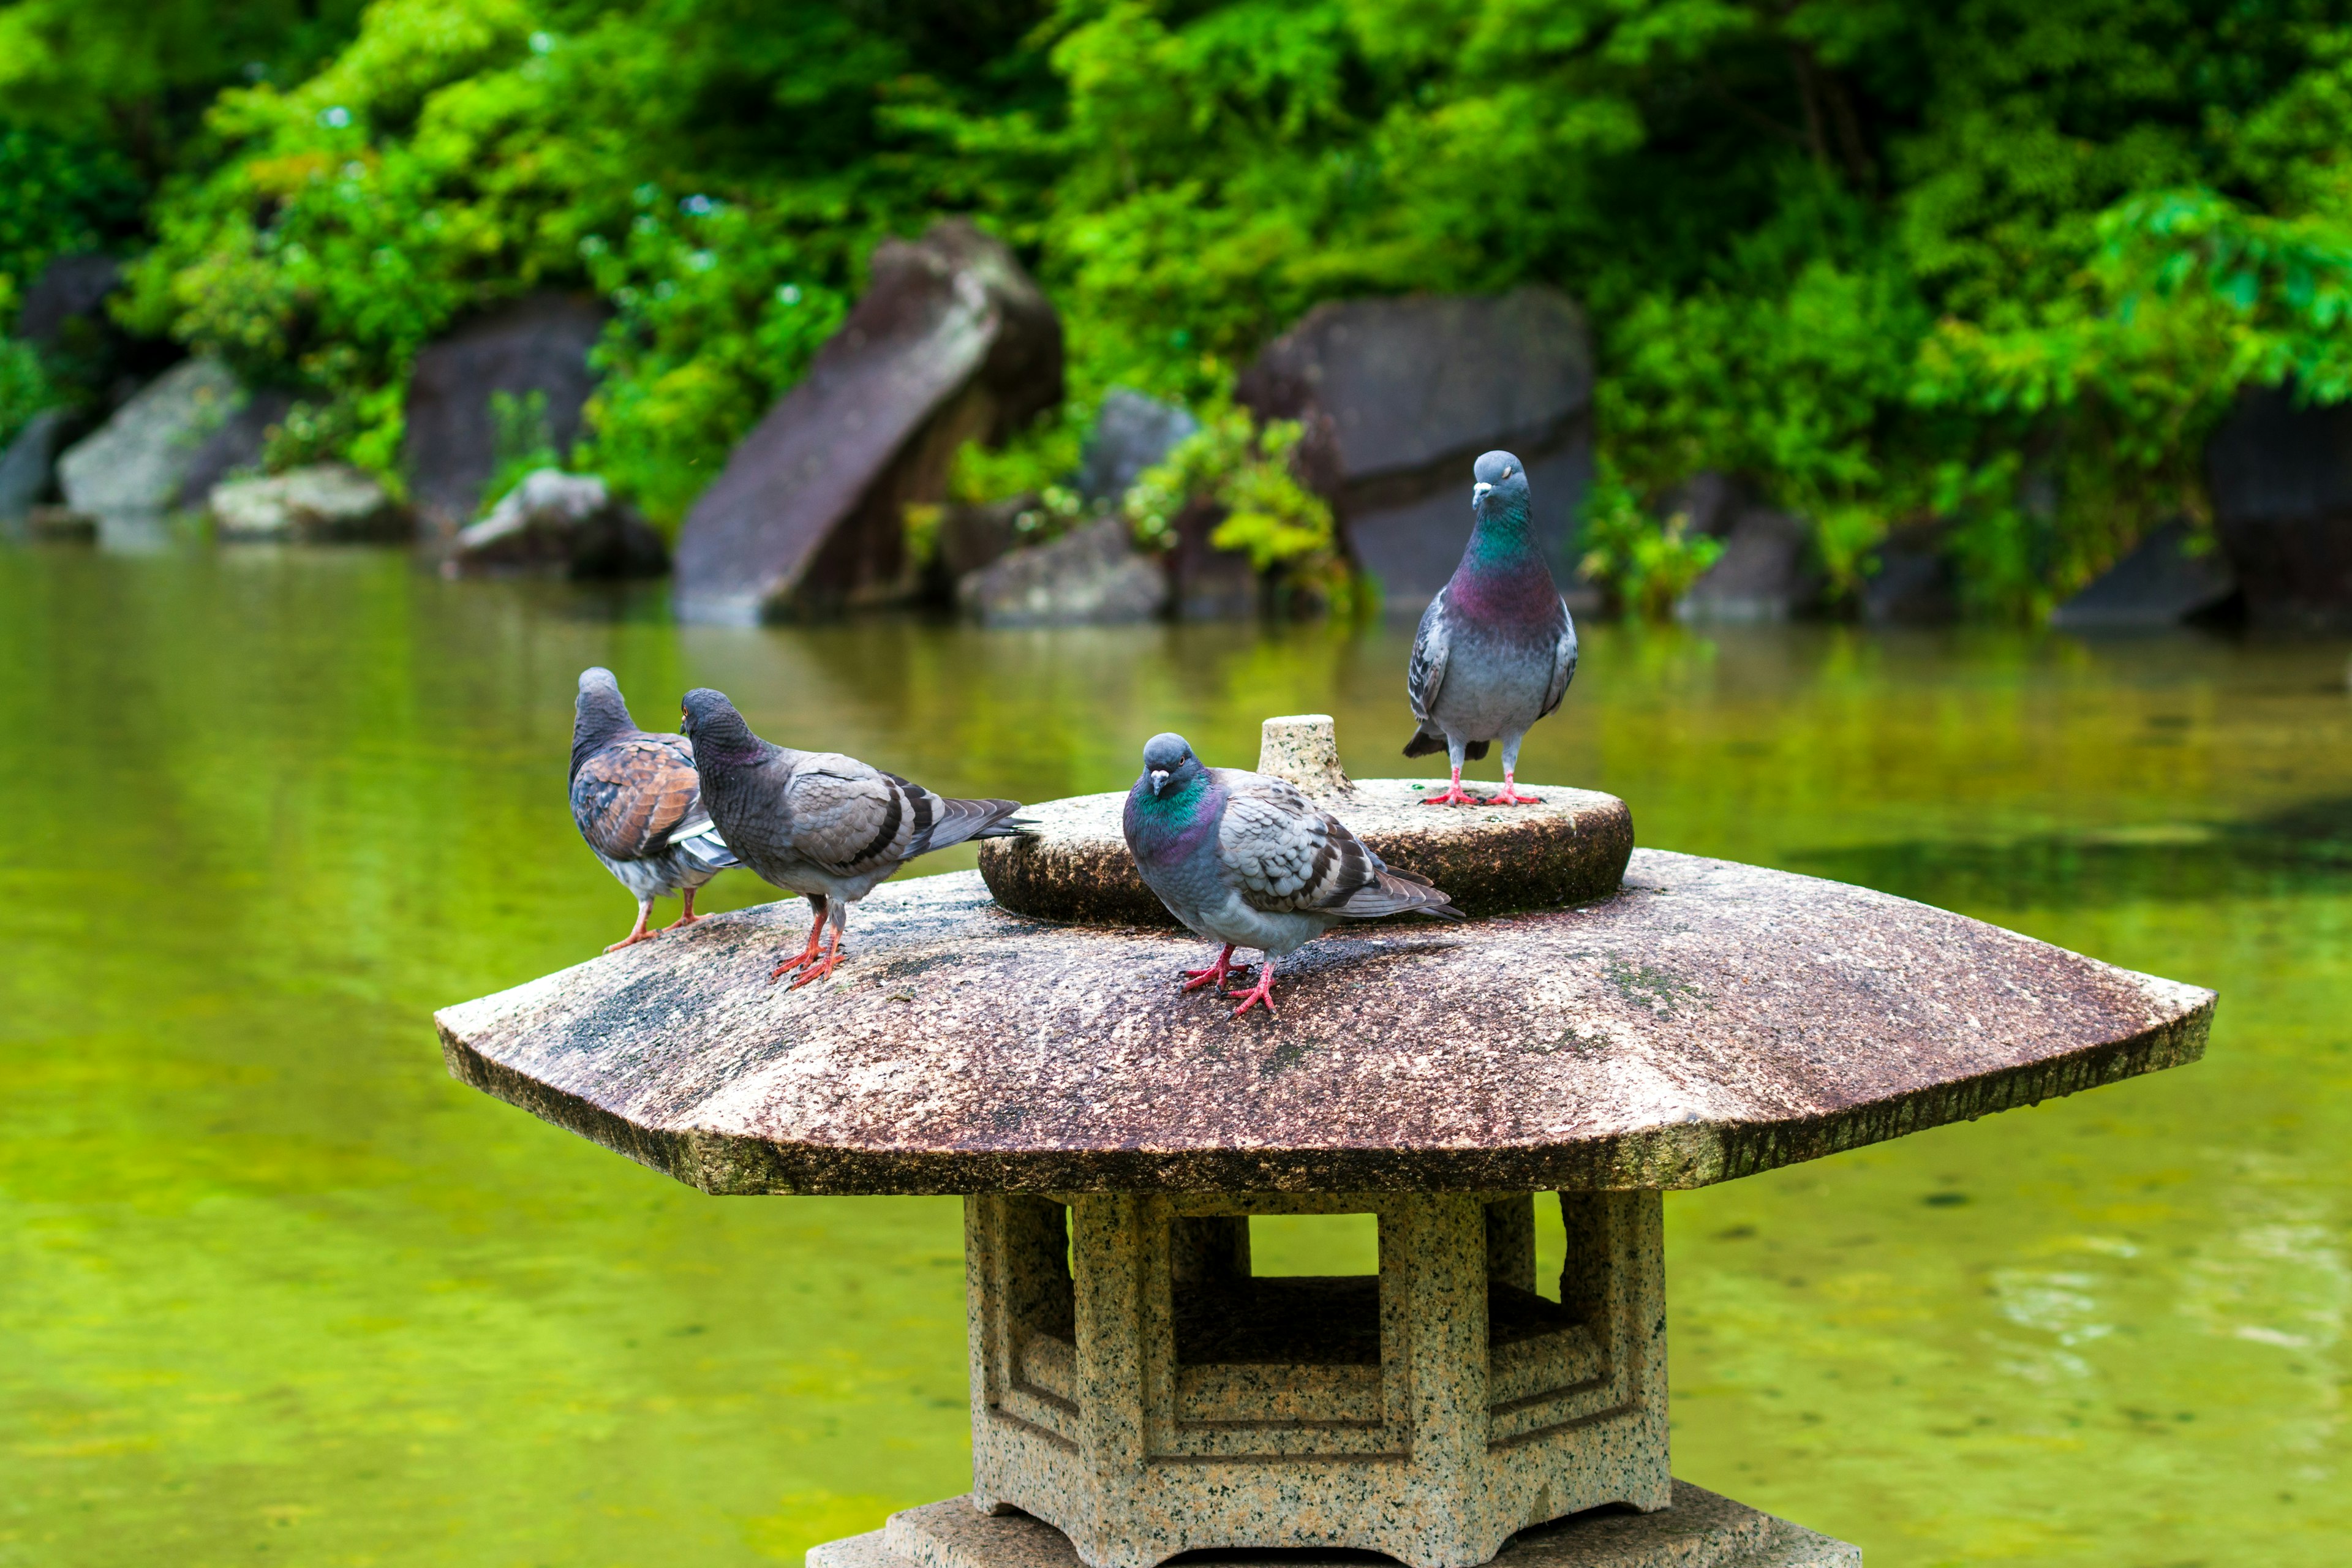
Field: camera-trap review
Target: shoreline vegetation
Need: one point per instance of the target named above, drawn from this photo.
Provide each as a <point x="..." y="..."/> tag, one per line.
<point x="1988" y="277"/>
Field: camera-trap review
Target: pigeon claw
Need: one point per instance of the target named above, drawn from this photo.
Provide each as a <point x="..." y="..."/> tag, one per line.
<point x="1512" y="797"/>
<point x="1219" y="971"/>
<point x="686" y="920"/>
<point x="817" y="970"/>
<point x="1454" y="796"/>
<point x="1262" y="992"/>
<point x="634" y="937"/>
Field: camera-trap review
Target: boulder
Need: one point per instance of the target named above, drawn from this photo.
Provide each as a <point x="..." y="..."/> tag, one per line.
<point x="562" y="522"/>
<point x="25" y="466"/>
<point x="1131" y="434"/>
<point x="952" y="341"/>
<point x="1091" y="576"/>
<point x="1398" y="397"/>
<point x="1914" y="584"/>
<point x="2281" y="480"/>
<point x="324" y="503"/>
<point x="2161" y="582"/>
<point x="1764" y="574"/>
<point x="70" y="290"/>
<point x="235" y="449"/>
<point x="141" y="460"/>
<point x="1209" y="583"/>
<point x="537" y="344"/>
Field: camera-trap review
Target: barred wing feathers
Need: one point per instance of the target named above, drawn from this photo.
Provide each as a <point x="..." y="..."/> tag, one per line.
<point x="1287" y="855"/>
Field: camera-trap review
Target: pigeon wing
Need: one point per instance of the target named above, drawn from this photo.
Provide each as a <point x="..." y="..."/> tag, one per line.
<point x="631" y="795"/>
<point x="1285" y="854"/>
<point x="1425" y="676"/>
<point x="849" y="817"/>
<point x="1563" y="661"/>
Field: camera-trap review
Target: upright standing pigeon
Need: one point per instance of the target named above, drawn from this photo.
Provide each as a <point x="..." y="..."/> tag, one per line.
<point x="638" y="803"/>
<point x="1496" y="648"/>
<point x="1247" y="860"/>
<point x="821" y="823"/>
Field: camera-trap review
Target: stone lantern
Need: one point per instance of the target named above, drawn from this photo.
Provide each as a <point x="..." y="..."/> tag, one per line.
<point x="1137" y="1390"/>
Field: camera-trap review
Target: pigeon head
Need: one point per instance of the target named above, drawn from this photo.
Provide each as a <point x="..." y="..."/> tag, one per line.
<point x="718" y="731"/>
<point x="1500" y="492"/>
<point x="597" y="714"/>
<point x="1168" y="760"/>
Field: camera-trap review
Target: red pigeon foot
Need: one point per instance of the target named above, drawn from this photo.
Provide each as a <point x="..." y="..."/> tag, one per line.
<point x="638" y="932"/>
<point x="1225" y="966"/>
<point x="820" y="969"/>
<point x="1262" y="992"/>
<point x="1511" y="796"/>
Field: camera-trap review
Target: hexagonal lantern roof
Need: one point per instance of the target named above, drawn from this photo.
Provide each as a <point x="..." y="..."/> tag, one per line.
<point x="1708" y="1021"/>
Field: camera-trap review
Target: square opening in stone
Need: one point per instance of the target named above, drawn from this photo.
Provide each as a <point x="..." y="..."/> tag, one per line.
<point x="1228" y="1313"/>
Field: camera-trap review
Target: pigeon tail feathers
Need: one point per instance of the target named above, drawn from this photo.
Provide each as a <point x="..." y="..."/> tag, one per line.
<point x="958" y="820"/>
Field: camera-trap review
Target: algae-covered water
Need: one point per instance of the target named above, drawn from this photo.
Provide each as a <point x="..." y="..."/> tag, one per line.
<point x="273" y="1289"/>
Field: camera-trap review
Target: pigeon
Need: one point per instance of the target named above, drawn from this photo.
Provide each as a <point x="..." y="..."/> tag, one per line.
<point x="638" y="803"/>
<point x="1496" y="648"/>
<point x="821" y="823"/>
<point x="1247" y="860"/>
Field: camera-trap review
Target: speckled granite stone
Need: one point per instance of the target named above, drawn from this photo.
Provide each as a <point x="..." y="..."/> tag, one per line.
<point x="1709" y="1021"/>
<point x="1161" y="1399"/>
<point x="1074" y="866"/>
<point x="1304" y="748"/>
<point x="1700" y="1531"/>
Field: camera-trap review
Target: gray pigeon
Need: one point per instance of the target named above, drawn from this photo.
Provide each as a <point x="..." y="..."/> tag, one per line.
<point x="638" y="803"/>
<point x="821" y="823"/>
<point x="1496" y="648"/>
<point x="1247" y="860"/>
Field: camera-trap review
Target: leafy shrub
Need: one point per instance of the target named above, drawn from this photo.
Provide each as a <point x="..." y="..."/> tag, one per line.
<point x="1641" y="563"/>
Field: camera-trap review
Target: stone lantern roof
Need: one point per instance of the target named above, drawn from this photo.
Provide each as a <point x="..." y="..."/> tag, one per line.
<point x="1706" y="1021"/>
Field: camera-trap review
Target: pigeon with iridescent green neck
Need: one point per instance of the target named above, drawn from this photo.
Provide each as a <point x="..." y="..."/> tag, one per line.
<point x="1247" y="860"/>
<point x="1496" y="648"/>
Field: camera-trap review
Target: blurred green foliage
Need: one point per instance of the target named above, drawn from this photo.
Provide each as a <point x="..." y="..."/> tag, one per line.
<point x="1996" y="266"/>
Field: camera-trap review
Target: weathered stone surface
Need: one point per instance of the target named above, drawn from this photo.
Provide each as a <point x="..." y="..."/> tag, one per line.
<point x="1914" y="585"/>
<point x="1489" y="859"/>
<point x="1131" y="434"/>
<point x="1398" y="397"/>
<point x="1763" y="573"/>
<point x="1092" y="576"/>
<point x="1702" y="1529"/>
<point x="141" y="460"/>
<point x="1302" y="749"/>
<point x="952" y="341"/>
<point x="236" y="447"/>
<point x="25" y="466"/>
<point x="323" y="503"/>
<point x="2281" y="480"/>
<point x="563" y="522"/>
<point x="1710" y="1021"/>
<point x="70" y="289"/>
<point x="450" y="445"/>
<point x="1136" y="1385"/>
<point x="2158" y="584"/>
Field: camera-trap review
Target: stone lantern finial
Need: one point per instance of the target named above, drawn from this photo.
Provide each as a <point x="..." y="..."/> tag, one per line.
<point x="1303" y="749"/>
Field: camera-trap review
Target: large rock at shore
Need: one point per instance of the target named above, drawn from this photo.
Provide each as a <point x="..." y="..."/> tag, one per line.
<point x="143" y="460"/>
<point x="2161" y="582"/>
<point x="1766" y="571"/>
<point x="25" y="465"/>
<point x="1092" y="577"/>
<point x="1398" y="397"/>
<point x="1131" y="433"/>
<point x="537" y="344"/>
<point x="953" y="341"/>
<point x="555" y="521"/>
<point x="69" y="292"/>
<point x="2281" y="480"/>
<point x="325" y="503"/>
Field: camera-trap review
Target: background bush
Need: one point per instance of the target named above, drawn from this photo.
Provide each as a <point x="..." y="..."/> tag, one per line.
<point x="1998" y="264"/>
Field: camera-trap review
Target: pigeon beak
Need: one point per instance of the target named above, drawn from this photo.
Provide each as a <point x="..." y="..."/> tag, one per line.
<point x="1159" y="780"/>
<point x="1478" y="491"/>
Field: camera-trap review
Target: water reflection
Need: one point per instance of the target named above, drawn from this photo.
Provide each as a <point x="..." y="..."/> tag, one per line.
<point x="268" y="1279"/>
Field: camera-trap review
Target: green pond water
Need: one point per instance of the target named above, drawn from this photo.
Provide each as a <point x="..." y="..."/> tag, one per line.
<point x="273" y="1289"/>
